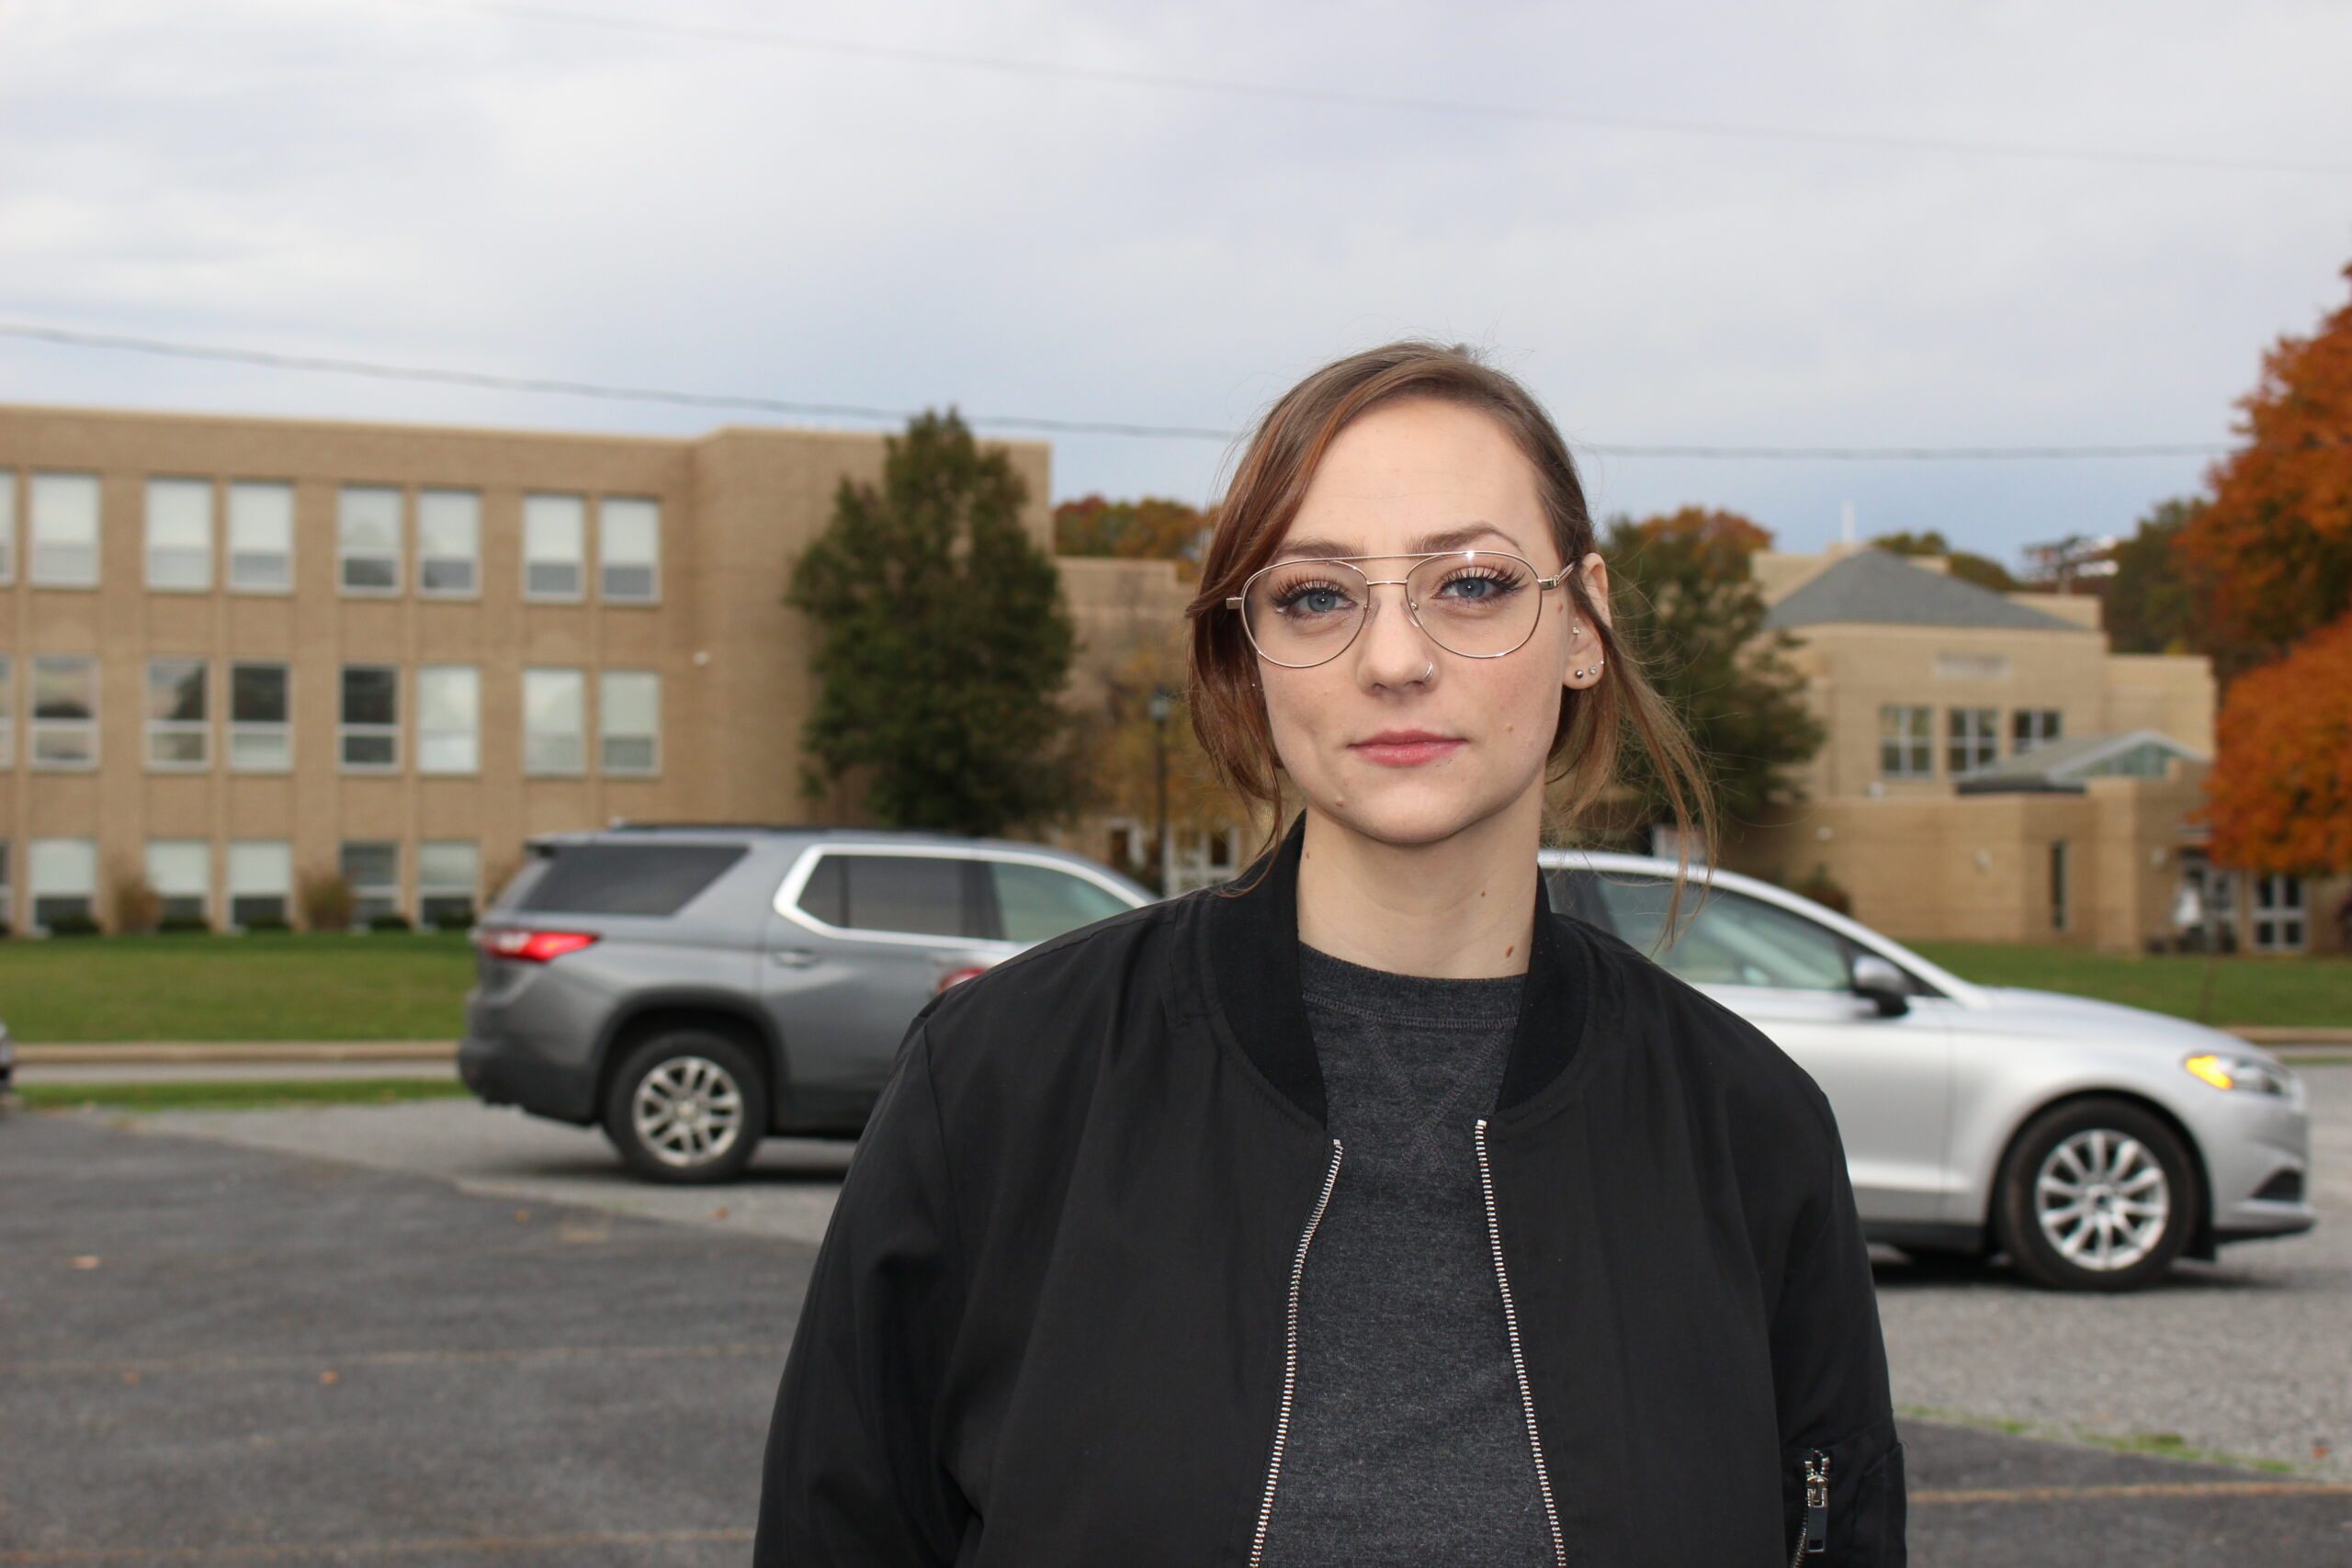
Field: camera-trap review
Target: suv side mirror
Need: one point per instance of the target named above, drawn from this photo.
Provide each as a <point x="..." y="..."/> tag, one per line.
<point x="1882" y="983"/>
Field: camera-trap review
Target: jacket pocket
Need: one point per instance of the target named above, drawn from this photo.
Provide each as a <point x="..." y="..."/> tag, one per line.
<point x="1843" y="1504"/>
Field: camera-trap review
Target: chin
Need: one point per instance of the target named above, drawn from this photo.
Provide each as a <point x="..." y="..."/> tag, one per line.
<point x="1414" y="817"/>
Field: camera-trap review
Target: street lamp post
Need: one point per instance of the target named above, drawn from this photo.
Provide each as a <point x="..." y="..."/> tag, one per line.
<point x="1163" y="702"/>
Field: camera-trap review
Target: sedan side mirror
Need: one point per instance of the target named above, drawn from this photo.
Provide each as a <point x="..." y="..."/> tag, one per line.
<point x="1882" y="983"/>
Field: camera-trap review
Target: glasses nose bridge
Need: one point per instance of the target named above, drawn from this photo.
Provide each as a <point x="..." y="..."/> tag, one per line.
<point x="1372" y="605"/>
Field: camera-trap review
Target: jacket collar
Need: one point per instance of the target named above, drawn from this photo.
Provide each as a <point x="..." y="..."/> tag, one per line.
<point x="1254" y="950"/>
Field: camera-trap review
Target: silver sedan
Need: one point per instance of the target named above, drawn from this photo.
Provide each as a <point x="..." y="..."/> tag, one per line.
<point x="2093" y="1144"/>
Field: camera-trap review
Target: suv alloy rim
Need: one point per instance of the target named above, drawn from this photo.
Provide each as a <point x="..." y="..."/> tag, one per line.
<point x="688" y="1111"/>
<point x="2102" y="1200"/>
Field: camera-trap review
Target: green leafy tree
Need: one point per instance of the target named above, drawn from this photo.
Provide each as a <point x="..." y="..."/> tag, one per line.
<point x="1685" y="597"/>
<point x="1982" y="571"/>
<point x="2152" y="602"/>
<point x="941" y="643"/>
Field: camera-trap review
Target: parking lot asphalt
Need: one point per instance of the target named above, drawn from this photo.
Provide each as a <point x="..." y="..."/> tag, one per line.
<point x="221" y="1351"/>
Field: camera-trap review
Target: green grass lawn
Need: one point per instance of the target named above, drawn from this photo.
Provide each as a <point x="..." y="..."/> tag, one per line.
<point x="2295" y="992"/>
<point x="387" y="985"/>
<point x="237" y="1096"/>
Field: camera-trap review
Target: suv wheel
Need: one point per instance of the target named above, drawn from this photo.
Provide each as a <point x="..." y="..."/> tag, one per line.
<point x="2099" y="1195"/>
<point x="687" y="1105"/>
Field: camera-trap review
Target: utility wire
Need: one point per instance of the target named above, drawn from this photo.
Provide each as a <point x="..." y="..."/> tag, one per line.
<point x="319" y="363"/>
<point x="769" y="39"/>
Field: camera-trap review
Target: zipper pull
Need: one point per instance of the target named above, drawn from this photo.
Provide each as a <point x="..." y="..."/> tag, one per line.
<point x="1816" y="1503"/>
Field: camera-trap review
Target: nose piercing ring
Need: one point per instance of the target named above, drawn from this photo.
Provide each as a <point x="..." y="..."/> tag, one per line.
<point x="1428" y="674"/>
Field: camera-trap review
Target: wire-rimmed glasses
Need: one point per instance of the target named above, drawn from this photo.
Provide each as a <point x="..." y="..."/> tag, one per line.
<point x="1477" y="603"/>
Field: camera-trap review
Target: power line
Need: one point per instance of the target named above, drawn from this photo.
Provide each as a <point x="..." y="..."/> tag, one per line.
<point x="769" y="39"/>
<point x="268" y="359"/>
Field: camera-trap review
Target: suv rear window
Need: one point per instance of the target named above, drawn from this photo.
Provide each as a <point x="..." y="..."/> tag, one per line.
<point x="626" y="879"/>
<point x="915" y="894"/>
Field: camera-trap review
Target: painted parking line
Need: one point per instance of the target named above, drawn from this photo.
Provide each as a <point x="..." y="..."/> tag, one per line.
<point x="476" y="1544"/>
<point x="2157" y="1489"/>
<point x="772" y="1348"/>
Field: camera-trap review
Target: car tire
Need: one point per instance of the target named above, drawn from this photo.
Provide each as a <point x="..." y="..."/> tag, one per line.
<point x="688" y="1105"/>
<point x="2096" y="1195"/>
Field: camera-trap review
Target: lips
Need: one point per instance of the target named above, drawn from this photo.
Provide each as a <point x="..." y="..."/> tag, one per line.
<point x="1406" y="747"/>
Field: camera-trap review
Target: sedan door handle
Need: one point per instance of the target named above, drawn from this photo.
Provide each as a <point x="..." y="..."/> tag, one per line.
<point x="793" y="957"/>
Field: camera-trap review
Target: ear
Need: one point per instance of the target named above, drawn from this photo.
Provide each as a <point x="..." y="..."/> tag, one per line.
<point x="1592" y="572"/>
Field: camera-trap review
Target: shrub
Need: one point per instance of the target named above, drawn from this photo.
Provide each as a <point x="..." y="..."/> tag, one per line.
<point x="266" y="924"/>
<point x="74" y="925"/>
<point x="137" y="906"/>
<point x="327" y="903"/>
<point x="390" y="921"/>
<point x="184" y="925"/>
<point x="1826" y="890"/>
<point x="461" y="919"/>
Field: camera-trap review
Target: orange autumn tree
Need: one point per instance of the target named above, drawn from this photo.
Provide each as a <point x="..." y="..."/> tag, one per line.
<point x="2271" y="557"/>
<point x="2280" y="797"/>
<point x="2271" y="552"/>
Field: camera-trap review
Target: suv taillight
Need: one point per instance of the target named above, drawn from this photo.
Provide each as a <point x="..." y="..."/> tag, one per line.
<point x="530" y="947"/>
<point x="958" y="977"/>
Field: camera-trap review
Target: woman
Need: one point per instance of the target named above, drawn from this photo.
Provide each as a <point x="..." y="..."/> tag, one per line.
<point x="1369" y="1212"/>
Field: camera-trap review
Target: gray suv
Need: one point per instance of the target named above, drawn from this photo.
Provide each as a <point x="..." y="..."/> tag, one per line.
<point x="694" y="988"/>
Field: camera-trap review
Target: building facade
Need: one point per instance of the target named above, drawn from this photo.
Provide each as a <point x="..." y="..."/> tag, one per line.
<point x="1994" y="772"/>
<point x="237" y="655"/>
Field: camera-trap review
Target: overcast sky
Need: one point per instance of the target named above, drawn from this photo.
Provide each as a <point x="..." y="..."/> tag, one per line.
<point x="495" y="187"/>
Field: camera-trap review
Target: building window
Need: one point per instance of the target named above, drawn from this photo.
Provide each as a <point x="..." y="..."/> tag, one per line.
<point x="7" y="525"/>
<point x="260" y="719"/>
<point x="1906" y="742"/>
<point x="2278" y="925"/>
<point x="180" y="871"/>
<point x="65" y="880"/>
<point x="555" y="538"/>
<point x="449" y="878"/>
<point x="2057" y="884"/>
<point x="65" y="711"/>
<point x="179" y="533"/>
<point x="7" y="726"/>
<point x="370" y="732"/>
<point x="629" y="727"/>
<point x="261" y="537"/>
<point x="179" y="731"/>
<point x="368" y="539"/>
<point x="2029" y="728"/>
<point x="66" y="531"/>
<point x="449" y="543"/>
<point x="448" y="719"/>
<point x="628" y="549"/>
<point x="1974" y="739"/>
<point x="373" y="872"/>
<point x="554" y="716"/>
<point x="261" y="882"/>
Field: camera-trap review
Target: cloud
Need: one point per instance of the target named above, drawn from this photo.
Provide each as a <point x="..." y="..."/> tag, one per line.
<point x="430" y="183"/>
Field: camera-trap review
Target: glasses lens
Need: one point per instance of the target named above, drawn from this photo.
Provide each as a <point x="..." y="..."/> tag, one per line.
<point x="1304" y="612"/>
<point x="1477" y="603"/>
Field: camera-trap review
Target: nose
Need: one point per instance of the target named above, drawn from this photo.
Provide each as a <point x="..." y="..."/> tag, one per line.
<point x="1392" y="651"/>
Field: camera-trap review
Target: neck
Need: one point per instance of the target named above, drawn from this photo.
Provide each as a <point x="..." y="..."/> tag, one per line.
<point x="1460" y="908"/>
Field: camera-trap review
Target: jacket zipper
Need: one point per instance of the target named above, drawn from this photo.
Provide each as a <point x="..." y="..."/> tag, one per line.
<point x="1289" y="1355"/>
<point x="1518" y="1356"/>
<point x="1815" y="1537"/>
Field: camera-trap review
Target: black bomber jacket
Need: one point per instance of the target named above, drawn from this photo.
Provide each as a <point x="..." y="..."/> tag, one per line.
<point x="1051" y="1324"/>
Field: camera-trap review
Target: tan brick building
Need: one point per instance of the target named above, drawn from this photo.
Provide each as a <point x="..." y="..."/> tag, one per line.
<point x="236" y="653"/>
<point x="1994" y="772"/>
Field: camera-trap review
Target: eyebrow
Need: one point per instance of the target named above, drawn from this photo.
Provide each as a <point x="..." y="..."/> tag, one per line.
<point x="1428" y="543"/>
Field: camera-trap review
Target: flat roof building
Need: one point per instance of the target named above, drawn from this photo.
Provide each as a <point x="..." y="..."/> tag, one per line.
<point x="238" y="653"/>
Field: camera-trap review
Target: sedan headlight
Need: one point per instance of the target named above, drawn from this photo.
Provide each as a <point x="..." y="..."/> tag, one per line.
<point x="2248" y="1073"/>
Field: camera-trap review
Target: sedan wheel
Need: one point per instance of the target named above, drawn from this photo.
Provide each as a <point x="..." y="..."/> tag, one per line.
<point x="686" y="1107"/>
<point x="2097" y="1195"/>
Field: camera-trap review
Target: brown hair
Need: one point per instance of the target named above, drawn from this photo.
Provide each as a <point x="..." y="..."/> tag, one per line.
<point x="1228" y="712"/>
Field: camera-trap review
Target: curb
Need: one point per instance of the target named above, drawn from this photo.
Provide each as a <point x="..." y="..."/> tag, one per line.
<point x="165" y="1052"/>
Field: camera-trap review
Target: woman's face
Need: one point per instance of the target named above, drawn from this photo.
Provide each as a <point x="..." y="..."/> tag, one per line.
<point x="1397" y="738"/>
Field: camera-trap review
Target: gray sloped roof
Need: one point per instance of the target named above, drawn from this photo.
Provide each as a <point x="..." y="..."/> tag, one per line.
<point x="1876" y="587"/>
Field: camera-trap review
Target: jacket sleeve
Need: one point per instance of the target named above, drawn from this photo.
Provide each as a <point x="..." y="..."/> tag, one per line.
<point x="852" y="1476"/>
<point x="1829" y="1365"/>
